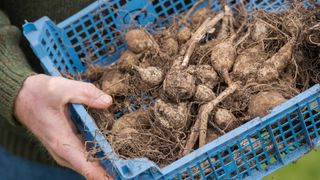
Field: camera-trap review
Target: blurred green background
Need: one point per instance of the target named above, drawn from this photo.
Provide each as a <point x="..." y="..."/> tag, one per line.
<point x="306" y="168"/>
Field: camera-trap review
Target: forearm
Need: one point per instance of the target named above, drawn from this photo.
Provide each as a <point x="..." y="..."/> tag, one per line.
<point x="14" y="68"/>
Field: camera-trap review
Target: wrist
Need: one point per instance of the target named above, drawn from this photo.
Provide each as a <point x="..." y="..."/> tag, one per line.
<point x="24" y="97"/>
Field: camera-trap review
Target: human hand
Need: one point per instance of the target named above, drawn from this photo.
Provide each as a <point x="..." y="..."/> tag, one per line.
<point x="41" y="106"/>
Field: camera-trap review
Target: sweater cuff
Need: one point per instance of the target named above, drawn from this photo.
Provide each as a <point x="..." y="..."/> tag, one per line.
<point x="14" y="69"/>
<point x="11" y="86"/>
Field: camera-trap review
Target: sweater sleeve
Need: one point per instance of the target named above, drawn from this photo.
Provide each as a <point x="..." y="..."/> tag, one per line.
<point x="14" y="68"/>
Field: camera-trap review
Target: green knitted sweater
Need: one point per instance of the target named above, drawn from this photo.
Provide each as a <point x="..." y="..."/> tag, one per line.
<point x="16" y="62"/>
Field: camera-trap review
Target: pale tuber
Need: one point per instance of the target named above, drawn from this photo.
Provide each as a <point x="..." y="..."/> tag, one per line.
<point x="170" y="46"/>
<point x="132" y="120"/>
<point x="184" y="34"/>
<point x="200" y="16"/>
<point x="272" y="68"/>
<point x="204" y="74"/>
<point x="207" y="75"/>
<point x="261" y="103"/>
<point x="224" y="118"/>
<point x="153" y="76"/>
<point x="127" y="61"/>
<point x="204" y="94"/>
<point x="138" y="40"/>
<point x="113" y="83"/>
<point x="248" y="61"/>
<point x="223" y="57"/>
<point x="179" y="84"/>
<point x="171" y="115"/>
<point x="259" y="31"/>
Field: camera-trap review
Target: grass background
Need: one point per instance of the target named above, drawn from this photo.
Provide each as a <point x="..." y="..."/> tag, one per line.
<point x="306" y="168"/>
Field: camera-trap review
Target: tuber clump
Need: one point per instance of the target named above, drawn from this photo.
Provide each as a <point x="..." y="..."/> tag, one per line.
<point x="180" y="86"/>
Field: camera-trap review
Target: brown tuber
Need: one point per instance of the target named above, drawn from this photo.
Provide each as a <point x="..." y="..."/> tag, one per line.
<point x="179" y="84"/>
<point x="205" y="74"/>
<point x="103" y="118"/>
<point x="127" y="61"/>
<point x="259" y="31"/>
<point x="138" y="41"/>
<point x="132" y="120"/>
<point x="204" y="94"/>
<point x="248" y="61"/>
<point x="261" y="103"/>
<point x="125" y="134"/>
<point x="153" y="76"/>
<point x="184" y="35"/>
<point x="124" y="137"/>
<point x="224" y="118"/>
<point x="223" y="56"/>
<point x="171" y="115"/>
<point x="200" y="16"/>
<point x="113" y="83"/>
<point x="170" y="46"/>
<point x="272" y="67"/>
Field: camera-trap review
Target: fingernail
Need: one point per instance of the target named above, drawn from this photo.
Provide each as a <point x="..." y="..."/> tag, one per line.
<point x="106" y="99"/>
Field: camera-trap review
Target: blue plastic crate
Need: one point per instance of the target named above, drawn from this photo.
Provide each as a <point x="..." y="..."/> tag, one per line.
<point x="251" y="151"/>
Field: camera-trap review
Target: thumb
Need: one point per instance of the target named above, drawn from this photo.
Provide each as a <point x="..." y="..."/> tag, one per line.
<point x="86" y="93"/>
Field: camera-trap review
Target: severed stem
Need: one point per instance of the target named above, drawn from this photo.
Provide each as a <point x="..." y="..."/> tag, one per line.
<point x="227" y="23"/>
<point x="184" y="19"/>
<point x="206" y="109"/>
<point x="216" y="127"/>
<point x="200" y="127"/>
<point x="200" y="32"/>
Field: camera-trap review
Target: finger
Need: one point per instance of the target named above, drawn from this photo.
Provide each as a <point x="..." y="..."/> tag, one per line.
<point x="73" y="152"/>
<point x="86" y="93"/>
